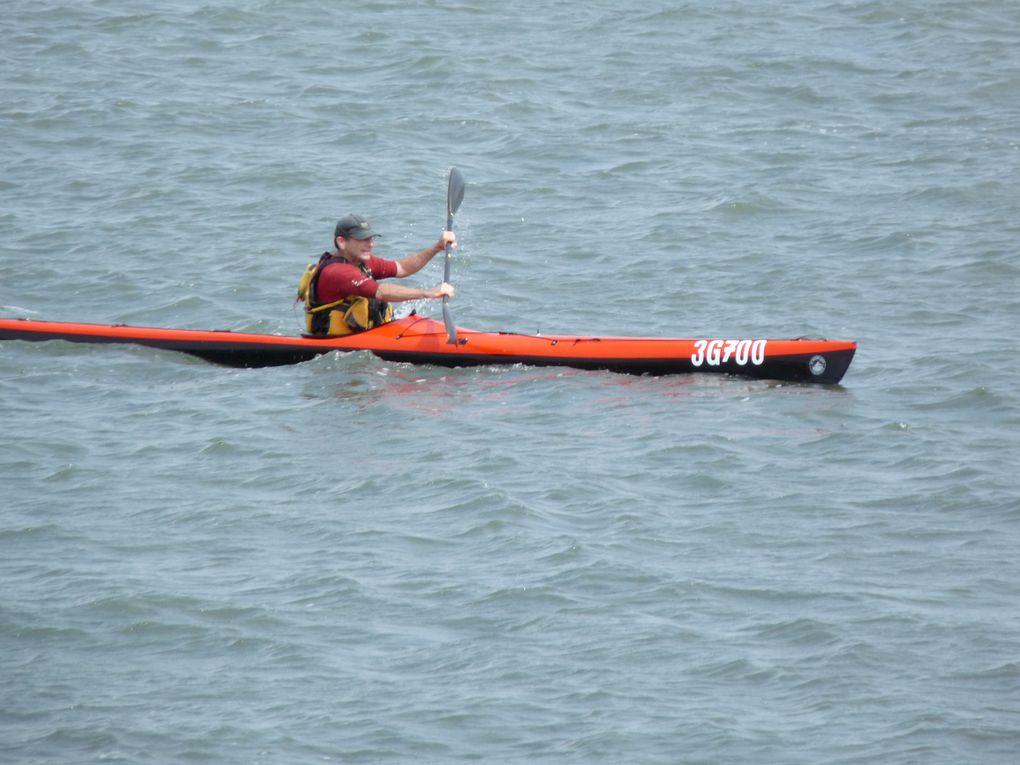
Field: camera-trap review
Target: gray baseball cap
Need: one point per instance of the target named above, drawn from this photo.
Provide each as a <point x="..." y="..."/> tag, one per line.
<point x="353" y="227"/>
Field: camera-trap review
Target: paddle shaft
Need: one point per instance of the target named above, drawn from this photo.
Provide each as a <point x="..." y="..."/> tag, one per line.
<point x="446" y="265"/>
<point x="454" y="196"/>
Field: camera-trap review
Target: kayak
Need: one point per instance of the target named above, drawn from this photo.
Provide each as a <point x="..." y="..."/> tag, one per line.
<point x="419" y="340"/>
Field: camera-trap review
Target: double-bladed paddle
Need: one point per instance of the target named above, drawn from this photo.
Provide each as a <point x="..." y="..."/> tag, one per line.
<point x="454" y="196"/>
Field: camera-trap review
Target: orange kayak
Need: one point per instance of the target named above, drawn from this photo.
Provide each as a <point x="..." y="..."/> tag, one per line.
<point x="418" y="340"/>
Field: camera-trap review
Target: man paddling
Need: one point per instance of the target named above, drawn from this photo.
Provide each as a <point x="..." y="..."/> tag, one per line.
<point x="342" y="292"/>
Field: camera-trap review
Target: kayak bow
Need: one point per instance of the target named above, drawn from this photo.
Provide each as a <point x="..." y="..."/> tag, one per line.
<point x="418" y="340"/>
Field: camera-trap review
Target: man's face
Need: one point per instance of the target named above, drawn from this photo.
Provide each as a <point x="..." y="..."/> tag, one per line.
<point x="355" y="250"/>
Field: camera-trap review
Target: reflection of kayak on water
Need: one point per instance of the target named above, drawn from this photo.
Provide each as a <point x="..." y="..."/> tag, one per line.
<point x="418" y="340"/>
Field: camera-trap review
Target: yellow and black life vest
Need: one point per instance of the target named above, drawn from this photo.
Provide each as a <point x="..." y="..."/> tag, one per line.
<point x="343" y="317"/>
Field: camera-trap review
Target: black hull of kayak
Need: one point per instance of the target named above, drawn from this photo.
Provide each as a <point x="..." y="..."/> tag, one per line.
<point x="786" y="369"/>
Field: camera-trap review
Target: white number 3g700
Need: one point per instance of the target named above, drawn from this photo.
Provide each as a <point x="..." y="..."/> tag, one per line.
<point x="715" y="352"/>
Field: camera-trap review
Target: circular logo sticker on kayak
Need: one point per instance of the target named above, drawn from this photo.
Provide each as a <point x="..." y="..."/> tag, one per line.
<point x="817" y="365"/>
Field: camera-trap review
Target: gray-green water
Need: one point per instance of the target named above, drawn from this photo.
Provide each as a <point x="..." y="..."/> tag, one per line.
<point x="356" y="561"/>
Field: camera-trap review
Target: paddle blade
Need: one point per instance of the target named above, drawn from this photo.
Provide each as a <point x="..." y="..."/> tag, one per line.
<point x="454" y="192"/>
<point x="451" y="330"/>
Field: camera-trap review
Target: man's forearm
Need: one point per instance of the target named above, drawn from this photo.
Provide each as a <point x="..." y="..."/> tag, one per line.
<point x="412" y="264"/>
<point x="397" y="293"/>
